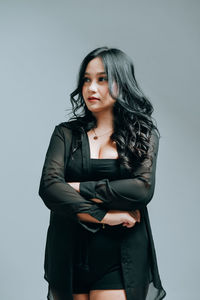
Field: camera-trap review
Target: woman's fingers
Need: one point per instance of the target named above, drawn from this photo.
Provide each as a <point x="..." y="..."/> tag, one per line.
<point x="136" y="215"/>
<point x="130" y="222"/>
<point x="125" y="218"/>
<point x="129" y="225"/>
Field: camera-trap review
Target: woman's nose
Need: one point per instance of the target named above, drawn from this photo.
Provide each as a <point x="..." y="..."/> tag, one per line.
<point x="92" y="86"/>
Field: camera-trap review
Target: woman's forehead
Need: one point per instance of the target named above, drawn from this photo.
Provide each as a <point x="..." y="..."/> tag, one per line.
<point x="95" y="66"/>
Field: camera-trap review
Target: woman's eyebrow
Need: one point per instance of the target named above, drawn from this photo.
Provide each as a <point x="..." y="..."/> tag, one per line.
<point x="99" y="73"/>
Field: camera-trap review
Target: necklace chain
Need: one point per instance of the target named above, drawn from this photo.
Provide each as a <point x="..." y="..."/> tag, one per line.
<point x="97" y="136"/>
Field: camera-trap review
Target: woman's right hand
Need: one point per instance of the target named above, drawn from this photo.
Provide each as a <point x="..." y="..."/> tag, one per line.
<point x="126" y="218"/>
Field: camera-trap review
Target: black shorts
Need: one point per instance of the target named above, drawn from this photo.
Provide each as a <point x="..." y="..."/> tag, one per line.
<point x="105" y="271"/>
<point x="104" y="261"/>
<point x="111" y="280"/>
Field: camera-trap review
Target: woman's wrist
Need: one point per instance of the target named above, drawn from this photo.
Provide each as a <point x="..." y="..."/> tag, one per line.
<point x="87" y="218"/>
<point x="105" y="219"/>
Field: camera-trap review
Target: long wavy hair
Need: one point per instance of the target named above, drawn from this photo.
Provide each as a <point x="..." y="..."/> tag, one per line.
<point x="132" y="110"/>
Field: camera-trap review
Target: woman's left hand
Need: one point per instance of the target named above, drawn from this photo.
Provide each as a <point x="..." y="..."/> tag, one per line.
<point x="75" y="185"/>
<point x="136" y="214"/>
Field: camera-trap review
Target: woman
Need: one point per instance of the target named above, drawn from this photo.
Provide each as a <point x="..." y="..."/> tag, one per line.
<point x="97" y="179"/>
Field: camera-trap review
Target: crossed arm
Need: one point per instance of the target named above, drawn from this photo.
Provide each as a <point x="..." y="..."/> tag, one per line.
<point x="124" y="194"/>
<point x="76" y="186"/>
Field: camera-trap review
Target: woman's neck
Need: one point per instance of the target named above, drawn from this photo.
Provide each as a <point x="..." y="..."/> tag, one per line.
<point x="105" y="121"/>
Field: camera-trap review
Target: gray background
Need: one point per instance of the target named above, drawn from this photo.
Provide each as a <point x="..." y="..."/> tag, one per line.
<point x="42" y="45"/>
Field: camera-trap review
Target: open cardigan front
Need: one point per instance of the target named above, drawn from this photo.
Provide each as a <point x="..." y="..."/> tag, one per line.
<point x="65" y="202"/>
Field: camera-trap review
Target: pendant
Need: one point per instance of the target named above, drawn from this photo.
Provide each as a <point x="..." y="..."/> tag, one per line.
<point x="95" y="137"/>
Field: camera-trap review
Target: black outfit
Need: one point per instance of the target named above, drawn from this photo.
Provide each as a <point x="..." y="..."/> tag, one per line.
<point x="102" y="250"/>
<point x="81" y="256"/>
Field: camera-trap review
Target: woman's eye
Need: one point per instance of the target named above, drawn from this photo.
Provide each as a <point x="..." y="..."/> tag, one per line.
<point x="86" y="79"/>
<point x="100" y="79"/>
<point x="103" y="78"/>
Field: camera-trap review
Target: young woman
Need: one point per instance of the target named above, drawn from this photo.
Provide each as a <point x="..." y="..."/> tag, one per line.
<point x="97" y="179"/>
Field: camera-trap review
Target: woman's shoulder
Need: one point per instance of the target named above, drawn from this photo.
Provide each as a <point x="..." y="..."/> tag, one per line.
<point x="69" y="127"/>
<point x="68" y="124"/>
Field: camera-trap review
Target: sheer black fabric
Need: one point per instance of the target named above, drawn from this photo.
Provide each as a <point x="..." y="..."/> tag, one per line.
<point x="127" y="194"/>
<point x="64" y="202"/>
<point x="56" y="193"/>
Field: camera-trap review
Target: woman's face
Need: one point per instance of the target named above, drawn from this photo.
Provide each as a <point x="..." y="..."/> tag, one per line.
<point x="95" y="87"/>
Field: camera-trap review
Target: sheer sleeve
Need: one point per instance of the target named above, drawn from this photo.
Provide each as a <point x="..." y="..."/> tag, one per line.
<point x="127" y="194"/>
<point x="56" y="193"/>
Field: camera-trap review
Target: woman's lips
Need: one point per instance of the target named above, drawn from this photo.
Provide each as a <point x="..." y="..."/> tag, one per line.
<point x="93" y="98"/>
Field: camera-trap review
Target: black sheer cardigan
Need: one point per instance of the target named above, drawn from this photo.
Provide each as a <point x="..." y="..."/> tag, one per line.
<point x="124" y="194"/>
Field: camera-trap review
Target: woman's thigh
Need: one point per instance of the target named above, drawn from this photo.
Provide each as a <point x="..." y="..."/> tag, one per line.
<point x="59" y="295"/>
<point x="81" y="297"/>
<point x="107" y="295"/>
